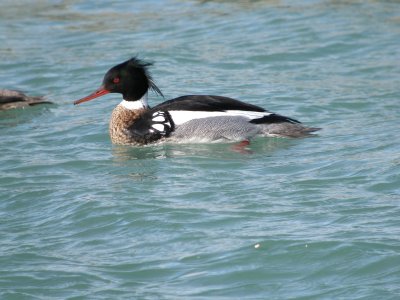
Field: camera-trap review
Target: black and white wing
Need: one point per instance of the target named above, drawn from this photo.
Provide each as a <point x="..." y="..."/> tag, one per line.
<point x="191" y="107"/>
<point x="151" y="126"/>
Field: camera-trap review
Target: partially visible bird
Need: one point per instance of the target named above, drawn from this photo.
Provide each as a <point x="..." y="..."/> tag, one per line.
<point x="10" y="99"/>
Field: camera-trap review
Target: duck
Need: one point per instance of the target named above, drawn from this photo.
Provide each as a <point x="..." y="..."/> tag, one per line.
<point x="10" y="99"/>
<point x="185" y="119"/>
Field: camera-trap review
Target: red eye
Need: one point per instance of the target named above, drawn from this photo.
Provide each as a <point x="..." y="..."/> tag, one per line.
<point x="116" y="80"/>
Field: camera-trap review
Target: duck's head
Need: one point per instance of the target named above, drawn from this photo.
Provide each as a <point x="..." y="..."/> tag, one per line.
<point x="130" y="78"/>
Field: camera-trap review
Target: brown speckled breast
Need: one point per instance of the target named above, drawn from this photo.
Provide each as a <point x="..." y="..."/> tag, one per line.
<point x="121" y="119"/>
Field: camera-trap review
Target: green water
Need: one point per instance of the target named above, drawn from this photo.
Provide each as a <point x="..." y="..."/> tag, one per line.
<point x="314" y="218"/>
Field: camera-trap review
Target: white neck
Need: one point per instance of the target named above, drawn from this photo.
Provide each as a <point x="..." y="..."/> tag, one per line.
<point x="133" y="105"/>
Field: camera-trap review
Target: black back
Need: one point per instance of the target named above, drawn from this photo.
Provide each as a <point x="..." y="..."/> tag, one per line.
<point x="206" y="103"/>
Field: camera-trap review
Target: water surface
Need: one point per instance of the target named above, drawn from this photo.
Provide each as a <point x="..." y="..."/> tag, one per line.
<point x="312" y="218"/>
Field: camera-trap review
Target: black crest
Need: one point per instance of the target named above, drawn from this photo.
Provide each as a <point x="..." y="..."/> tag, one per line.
<point x="136" y="63"/>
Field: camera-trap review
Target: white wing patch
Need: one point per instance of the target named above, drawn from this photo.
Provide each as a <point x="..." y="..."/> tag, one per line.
<point x="159" y="127"/>
<point x="159" y="118"/>
<point x="182" y="116"/>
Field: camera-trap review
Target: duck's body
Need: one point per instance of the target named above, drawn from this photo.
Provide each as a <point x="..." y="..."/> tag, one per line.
<point x="10" y="99"/>
<point x="198" y="118"/>
<point x="192" y="118"/>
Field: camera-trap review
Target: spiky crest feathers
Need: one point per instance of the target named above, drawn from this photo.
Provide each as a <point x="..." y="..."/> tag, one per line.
<point x="137" y="63"/>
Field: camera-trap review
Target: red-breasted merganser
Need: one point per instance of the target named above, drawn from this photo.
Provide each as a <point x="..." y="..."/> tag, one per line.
<point x="192" y="118"/>
<point x="15" y="99"/>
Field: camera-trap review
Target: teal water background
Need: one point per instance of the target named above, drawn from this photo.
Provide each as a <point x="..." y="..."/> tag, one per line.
<point x="314" y="218"/>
